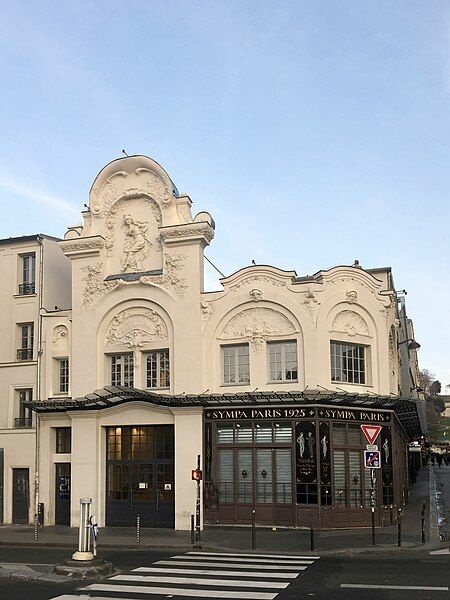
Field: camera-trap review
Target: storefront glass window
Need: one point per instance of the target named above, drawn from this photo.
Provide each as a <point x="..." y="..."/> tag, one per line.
<point x="245" y="475"/>
<point x="225" y="468"/>
<point x="244" y="433"/>
<point x="283" y="432"/>
<point x="263" y="432"/>
<point x="225" y="434"/>
<point x="284" y="475"/>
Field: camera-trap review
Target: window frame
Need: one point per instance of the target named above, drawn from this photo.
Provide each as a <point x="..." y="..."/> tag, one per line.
<point x="25" y="414"/>
<point x="235" y="347"/>
<point x="63" y="440"/>
<point x="161" y="353"/>
<point x="365" y="360"/>
<point x="282" y="344"/>
<point x="123" y="377"/>
<point x="27" y="274"/>
<point x="61" y="376"/>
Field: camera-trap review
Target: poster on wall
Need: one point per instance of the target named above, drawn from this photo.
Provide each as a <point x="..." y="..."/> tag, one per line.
<point x="325" y="455"/>
<point x="386" y="456"/>
<point x="305" y="452"/>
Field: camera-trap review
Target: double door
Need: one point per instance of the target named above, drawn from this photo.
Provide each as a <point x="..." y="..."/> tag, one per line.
<point x="144" y="489"/>
<point x="259" y="478"/>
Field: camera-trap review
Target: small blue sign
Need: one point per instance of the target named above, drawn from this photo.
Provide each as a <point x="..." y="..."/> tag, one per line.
<point x="372" y="459"/>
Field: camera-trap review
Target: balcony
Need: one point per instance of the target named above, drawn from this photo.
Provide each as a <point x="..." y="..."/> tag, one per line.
<point x="25" y="289"/>
<point x="25" y="354"/>
<point x="23" y="422"/>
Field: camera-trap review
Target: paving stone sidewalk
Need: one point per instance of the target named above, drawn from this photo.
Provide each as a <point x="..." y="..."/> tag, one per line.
<point x="287" y="540"/>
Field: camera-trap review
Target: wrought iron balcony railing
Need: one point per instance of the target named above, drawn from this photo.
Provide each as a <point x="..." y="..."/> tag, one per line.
<point x="23" y="422"/>
<point x="25" y="289"/>
<point x="25" y="354"/>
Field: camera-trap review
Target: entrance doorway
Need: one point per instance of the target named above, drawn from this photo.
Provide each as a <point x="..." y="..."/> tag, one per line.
<point x="140" y="476"/>
<point x="62" y="490"/>
<point x="21" y="496"/>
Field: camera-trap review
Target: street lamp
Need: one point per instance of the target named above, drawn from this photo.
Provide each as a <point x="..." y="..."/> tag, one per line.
<point x="412" y="344"/>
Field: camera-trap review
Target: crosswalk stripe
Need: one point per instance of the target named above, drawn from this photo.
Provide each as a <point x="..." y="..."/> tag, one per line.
<point x="246" y="574"/>
<point x="181" y="563"/>
<point x="141" y="589"/>
<point x="225" y="558"/>
<point x="283" y="556"/>
<point x="197" y="581"/>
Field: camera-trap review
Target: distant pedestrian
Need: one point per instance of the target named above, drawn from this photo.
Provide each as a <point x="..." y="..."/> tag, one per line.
<point x="432" y="459"/>
<point x="439" y="460"/>
<point x="446" y="459"/>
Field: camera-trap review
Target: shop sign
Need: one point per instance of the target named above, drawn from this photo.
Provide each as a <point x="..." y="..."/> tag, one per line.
<point x="238" y="414"/>
<point x="353" y="414"/>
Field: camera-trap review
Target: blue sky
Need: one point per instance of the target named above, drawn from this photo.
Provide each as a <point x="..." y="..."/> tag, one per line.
<point x="314" y="132"/>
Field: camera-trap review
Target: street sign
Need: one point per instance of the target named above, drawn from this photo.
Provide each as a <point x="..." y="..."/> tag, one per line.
<point x="371" y="447"/>
<point x="197" y="475"/>
<point x="372" y="459"/>
<point x="371" y="432"/>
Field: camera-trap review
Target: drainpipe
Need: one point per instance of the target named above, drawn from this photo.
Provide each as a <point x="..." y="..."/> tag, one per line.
<point x="38" y="381"/>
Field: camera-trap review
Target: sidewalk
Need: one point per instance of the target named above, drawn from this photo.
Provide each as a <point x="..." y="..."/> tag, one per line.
<point x="287" y="540"/>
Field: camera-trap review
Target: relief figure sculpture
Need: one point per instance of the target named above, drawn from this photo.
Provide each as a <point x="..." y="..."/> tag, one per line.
<point x="137" y="245"/>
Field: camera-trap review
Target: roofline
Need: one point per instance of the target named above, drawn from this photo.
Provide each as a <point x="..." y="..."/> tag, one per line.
<point x="29" y="238"/>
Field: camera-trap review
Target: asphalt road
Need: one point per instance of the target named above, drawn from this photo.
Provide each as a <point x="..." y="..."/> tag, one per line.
<point x="327" y="578"/>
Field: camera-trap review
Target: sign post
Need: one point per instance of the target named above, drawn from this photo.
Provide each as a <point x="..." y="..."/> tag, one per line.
<point x="197" y="476"/>
<point x="372" y="461"/>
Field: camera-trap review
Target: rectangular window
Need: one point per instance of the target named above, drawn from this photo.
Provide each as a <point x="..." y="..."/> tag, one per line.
<point x="25" y="352"/>
<point x="236" y="364"/>
<point x="122" y="369"/>
<point x="25" y="418"/>
<point x="63" y="440"/>
<point x="348" y="362"/>
<point x="63" y="375"/>
<point x="158" y="369"/>
<point x="27" y="285"/>
<point x="283" y="361"/>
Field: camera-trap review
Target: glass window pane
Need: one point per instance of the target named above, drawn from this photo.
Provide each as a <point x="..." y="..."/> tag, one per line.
<point x="263" y="432"/>
<point x="282" y="432"/>
<point x="244" y="476"/>
<point x="244" y="433"/>
<point x="264" y="493"/>
<point x="284" y="475"/>
<point x="225" y="434"/>
<point x="225" y="475"/>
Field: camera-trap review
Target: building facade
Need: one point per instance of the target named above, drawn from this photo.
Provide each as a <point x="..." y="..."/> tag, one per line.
<point x="267" y="380"/>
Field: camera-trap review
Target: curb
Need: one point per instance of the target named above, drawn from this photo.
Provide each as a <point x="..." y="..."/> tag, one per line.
<point x="18" y="574"/>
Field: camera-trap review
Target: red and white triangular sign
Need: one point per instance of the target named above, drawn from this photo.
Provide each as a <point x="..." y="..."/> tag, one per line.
<point x="371" y="432"/>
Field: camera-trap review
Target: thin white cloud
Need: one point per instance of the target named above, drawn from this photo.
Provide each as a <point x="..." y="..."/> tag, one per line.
<point x="10" y="184"/>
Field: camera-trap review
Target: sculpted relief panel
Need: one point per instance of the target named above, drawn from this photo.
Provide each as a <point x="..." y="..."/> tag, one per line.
<point x="257" y="325"/>
<point x="136" y="327"/>
<point x="60" y="340"/>
<point x="350" y="323"/>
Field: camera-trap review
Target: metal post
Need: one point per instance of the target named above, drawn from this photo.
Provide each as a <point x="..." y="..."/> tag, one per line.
<point x="192" y="529"/>
<point x="253" y="529"/>
<point x="372" y="502"/>
<point x="36" y="527"/>
<point x="399" y="527"/>
<point x="84" y="532"/>
<point x="311" y="538"/>
<point x="197" y="505"/>
<point x="138" y="529"/>
<point x="423" y="522"/>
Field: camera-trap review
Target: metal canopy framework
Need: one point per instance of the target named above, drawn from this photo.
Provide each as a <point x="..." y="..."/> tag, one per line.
<point x="404" y="408"/>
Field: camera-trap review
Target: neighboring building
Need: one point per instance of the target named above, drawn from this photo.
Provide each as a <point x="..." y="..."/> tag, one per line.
<point x="268" y="380"/>
<point x="35" y="275"/>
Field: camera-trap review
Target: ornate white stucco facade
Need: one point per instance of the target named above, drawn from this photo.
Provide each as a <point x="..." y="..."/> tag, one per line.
<point x="136" y="265"/>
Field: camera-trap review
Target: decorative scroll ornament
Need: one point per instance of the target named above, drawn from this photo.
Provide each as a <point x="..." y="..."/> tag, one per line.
<point x="207" y="311"/>
<point x="257" y="325"/>
<point x="95" y="286"/>
<point x="171" y="279"/>
<point x="350" y="323"/>
<point x="60" y="338"/>
<point x="311" y="299"/>
<point x="257" y="278"/>
<point x="136" y="327"/>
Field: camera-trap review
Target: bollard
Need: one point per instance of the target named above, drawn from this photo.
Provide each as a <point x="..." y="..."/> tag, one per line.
<point x="253" y="530"/>
<point x="391" y="514"/>
<point x="192" y="529"/>
<point x="423" y="522"/>
<point x="84" y="533"/>
<point x="373" y="526"/>
<point x="311" y="538"/>
<point x="399" y="527"/>
<point x="138" y="529"/>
